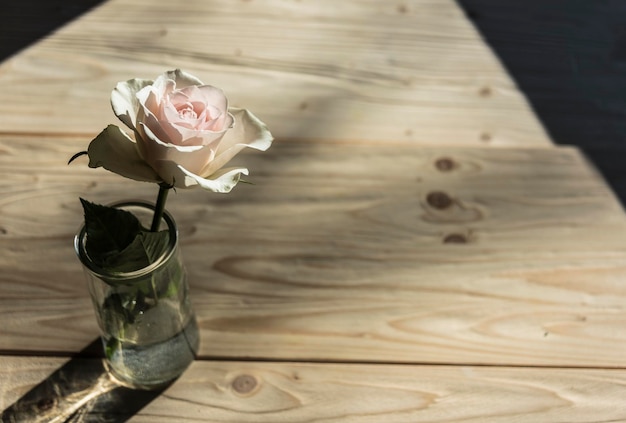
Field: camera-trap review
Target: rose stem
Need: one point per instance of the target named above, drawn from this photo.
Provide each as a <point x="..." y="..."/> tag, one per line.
<point x="160" y="206"/>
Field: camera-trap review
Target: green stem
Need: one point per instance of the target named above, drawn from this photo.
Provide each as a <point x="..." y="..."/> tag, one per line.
<point x="160" y="206"/>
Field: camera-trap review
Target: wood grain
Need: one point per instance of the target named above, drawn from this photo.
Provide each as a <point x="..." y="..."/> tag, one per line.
<point x="234" y="392"/>
<point x="414" y="71"/>
<point x="346" y="252"/>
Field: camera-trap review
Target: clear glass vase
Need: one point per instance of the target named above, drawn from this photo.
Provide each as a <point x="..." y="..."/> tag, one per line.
<point x="147" y="325"/>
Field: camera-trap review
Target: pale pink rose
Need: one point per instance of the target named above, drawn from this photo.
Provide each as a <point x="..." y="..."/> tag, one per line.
<point x="184" y="133"/>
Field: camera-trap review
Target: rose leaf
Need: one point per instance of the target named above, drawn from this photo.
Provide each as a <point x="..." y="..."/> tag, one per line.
<point x="144" y="250"/>
<point x="109" y="230"/>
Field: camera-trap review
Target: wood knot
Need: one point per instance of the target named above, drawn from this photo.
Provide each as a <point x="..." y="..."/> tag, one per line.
<point x="403" y="9"/>
<point x="46" y="404"/>
<point x="455" y="239"/>
<point x="439" y="200"/>
<point x="445" y="164"/>
<point x="244" y="384"/>
<point x="485" y="92"/>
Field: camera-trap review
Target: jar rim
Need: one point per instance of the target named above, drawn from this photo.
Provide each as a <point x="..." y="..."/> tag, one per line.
<point x="121" y="277"/>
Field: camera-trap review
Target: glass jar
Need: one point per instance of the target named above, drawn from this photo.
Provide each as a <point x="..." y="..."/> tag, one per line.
<point x="147" y="325"/>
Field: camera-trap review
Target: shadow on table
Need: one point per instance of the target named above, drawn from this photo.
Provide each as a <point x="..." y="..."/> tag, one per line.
<point x="79" y="391"/>
<point x="568" y="57"/>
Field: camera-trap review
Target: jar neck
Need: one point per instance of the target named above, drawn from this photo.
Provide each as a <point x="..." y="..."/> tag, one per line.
<point x="144" y="212"/>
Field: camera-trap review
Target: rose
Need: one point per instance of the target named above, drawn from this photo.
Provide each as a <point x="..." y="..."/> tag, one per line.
<point x="184" y="133"/>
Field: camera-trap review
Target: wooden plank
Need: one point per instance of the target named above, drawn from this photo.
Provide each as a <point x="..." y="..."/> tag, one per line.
<point x="416" y="72"/>
<point x="341" y="252"/>
<point x="282" y="392"/>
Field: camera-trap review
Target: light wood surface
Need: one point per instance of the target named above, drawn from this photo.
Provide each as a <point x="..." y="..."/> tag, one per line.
<point x="415" y="71"/>
<point x="347" y="253"/>
<point x="413" y="248"/>
<point x="232" y="392"/>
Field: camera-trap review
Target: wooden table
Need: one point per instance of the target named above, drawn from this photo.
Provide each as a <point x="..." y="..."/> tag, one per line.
<point x="414" y="248"/>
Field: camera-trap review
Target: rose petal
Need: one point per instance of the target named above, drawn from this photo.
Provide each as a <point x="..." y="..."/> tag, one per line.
<point x="151" y="113"/>
<point x="156" y="152"/>
<point x="222" y="181"/>
<point x="160" y="115"/>
<point x="161" y="87"/>
<point x="247" y="131"/>
<point x="182" y="78"/>
<point x="153" y="116"/>
<point x="150" y="100"/>
<point x="216" y="100"/>
<point x="124" y="100"/>
<point x="117" y="152"/>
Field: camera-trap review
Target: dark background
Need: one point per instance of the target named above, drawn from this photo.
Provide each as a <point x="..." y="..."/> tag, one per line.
<point x="22" y="22"/>
<point x="567" y="56"/>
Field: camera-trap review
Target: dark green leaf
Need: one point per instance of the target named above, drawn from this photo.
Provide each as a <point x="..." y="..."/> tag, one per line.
<point x="109" y="230"/>
<point x="145" y="249"/>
